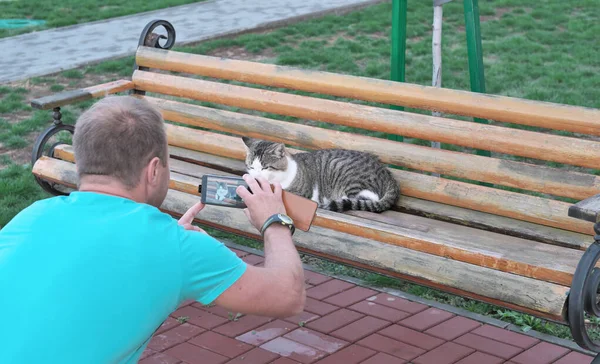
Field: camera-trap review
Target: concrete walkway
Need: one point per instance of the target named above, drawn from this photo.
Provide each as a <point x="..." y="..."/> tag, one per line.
<point x="50" y="51"/>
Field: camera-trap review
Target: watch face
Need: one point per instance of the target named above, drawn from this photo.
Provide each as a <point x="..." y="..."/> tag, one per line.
<point x="285" y="219"/>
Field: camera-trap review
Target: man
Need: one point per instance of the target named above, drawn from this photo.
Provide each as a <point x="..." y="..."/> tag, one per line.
<point x="89" y="277"/>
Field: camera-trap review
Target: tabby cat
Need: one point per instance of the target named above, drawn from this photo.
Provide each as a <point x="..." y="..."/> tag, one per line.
<point x="337" y="179"/>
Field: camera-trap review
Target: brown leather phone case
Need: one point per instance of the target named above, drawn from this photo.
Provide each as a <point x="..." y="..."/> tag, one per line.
<point x="300" y="209"/>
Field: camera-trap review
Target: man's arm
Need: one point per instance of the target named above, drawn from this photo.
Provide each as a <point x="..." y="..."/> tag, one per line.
<point x="213" y="274"/>
<point x="277" y="289"/>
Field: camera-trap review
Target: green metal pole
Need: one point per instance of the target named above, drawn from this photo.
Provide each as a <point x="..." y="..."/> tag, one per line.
<point x="399" y="13"/>
<point x="475" y="54"/>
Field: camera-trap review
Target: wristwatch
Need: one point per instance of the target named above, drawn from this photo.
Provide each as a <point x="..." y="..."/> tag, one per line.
<point x="280" y="219"/>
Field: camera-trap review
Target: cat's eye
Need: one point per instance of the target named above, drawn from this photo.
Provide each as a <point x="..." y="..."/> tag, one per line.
<point x="270" y="168"/>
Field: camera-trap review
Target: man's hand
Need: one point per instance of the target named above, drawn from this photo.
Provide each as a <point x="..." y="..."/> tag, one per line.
<point x="263" y="202"/>
<point x="187" y="218"/>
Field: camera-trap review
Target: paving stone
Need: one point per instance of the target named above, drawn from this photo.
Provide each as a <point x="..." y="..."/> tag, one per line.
<point x="284" y="361"/>
<point x="243" y="325"/>
<point x="174" y="336"/>
<point x="489" y="346"/>
<point x="426" y="319"/>
<point x="412" y="337"/>
<point x="167" y="325"/>
<point x="453" y="328"/>
<point x="352" y="354"/>
<point x="445" y="354"/>
<point x="267" y="332"/>
<point x="397" y="303"/>
<point x="360" y="328"/>
<point x="253" y="259"/>
<point x="505" y="336"/>
<point x="221" y="344"/>
<point x="390" y="346"/>
<point x="481" y="358"/>
<point x="193" y="354"/>
<point x="334" y="320"/>
<point x="146" y="353"/>
<point x="328" y="289"/>
<point x="350" y="296"/>
<point x="575" y="358"/>
<point x="383" y="358"/>
<point x="198" y="317"/>
<point x="160" y="358"/>
<point x="255" y="356"/>
<point x="186" y="303"/>
<point x="379" y="311"/>
<point x="54" y="50"/>
<point x="305" y="317"/>
<point x="542" y="353"/>
<point x="239" y="253"/>
<point x="318" y="307"/>
<point x="314" y="278"/>
<point x="293" y="350"/>
<point x="316" y="340"/>
<point x="215" y="310"/>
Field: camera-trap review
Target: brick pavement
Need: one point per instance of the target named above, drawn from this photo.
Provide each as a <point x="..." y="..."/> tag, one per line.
<point x="348" y="324"/>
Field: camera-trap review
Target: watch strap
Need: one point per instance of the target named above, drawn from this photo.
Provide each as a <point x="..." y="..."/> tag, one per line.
<point x="276" y="219"/>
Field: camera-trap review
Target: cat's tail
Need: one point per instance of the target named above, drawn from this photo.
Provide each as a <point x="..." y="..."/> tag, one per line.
<point x="384" y="203"/>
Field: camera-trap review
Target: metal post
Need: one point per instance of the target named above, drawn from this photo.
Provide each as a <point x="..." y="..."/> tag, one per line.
<point x="399" y="13"/>
<point x="475" y="51"/>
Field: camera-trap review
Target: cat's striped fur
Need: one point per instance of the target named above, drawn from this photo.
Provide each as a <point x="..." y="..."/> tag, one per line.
<point x="337" y="179"/>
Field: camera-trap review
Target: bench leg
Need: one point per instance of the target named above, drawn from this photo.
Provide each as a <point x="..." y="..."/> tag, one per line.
<point x="583" y="296"/>
<point x="40" y="144"/>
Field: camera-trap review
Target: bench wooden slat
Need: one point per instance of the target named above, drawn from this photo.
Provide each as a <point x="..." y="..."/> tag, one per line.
<point x="504" y="140"/>
<point x="472" y="218"/>
<point x="525" y="293"/>
<point x="504" y="172"/>
<point x="494" y="201"/>
<point x="70" y="97"/>
<point x="513" y="255"/>
<point x="495" y="223"/>
<point x="500" y="108"/>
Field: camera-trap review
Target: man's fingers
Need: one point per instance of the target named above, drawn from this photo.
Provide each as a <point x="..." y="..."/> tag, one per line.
<point x="278" y="189"/>
<point x="251" y="183"/>
<point x="188" y="217"/>
<point x="243" y="192"/>
<point x="264" y="184"/>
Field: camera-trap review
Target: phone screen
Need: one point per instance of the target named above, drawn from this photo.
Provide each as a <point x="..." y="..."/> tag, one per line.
<point x="220" y="190"/>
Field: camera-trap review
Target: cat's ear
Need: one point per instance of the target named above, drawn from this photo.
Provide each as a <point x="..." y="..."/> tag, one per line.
<point x="279" y="150"/>
<point x="247" y="143"/>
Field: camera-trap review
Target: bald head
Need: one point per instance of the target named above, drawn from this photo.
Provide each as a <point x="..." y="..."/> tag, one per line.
<point x="117" y="137"/>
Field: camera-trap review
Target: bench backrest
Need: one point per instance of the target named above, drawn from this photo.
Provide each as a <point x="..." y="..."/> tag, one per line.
<point x="525" y="178"/>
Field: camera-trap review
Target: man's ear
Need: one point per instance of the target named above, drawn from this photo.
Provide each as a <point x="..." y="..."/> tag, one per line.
<point x="152" y="171"/>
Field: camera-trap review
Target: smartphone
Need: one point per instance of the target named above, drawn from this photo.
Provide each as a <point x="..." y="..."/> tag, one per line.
<point x="220" y="190"/>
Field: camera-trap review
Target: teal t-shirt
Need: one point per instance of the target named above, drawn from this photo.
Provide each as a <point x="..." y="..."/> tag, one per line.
<point x="88" y="278"/>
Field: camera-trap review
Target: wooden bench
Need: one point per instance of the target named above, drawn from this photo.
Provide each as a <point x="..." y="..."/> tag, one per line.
<point x="496" y="229"/>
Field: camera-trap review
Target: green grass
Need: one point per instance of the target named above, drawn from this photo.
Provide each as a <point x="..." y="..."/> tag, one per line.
<point x="544" y="52"/>
<point x="18" y="190"/>
<point x="60" y="13"/>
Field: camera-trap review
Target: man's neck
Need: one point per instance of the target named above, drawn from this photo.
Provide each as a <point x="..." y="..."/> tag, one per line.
<point x="108" y="186"/>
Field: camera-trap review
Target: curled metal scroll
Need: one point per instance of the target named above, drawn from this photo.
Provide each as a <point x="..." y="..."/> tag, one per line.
<point x="40" y="143"/>
<point x="583" y="296"/>
<point x="150" y="39"/>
